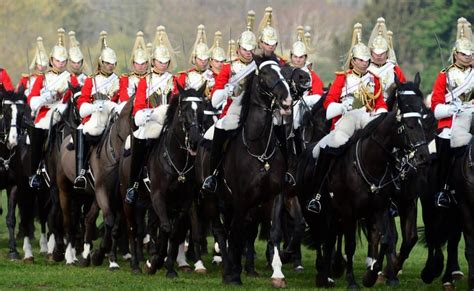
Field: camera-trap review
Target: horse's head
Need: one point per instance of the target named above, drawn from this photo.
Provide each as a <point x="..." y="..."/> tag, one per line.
<point x="271" y="83"/>
<point x="13" y="109"/>
<point x="190" y="113"/>
<point x="298" y="80"/>
<point x="410" y="114"/>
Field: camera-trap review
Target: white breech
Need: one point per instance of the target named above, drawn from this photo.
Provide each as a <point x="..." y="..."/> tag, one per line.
<point x="231" y="120"/>
<point x="460" y="135"/>
<point x="151" y="129"/>
<point x="344" y="129"/>
<point x="95" y="126"/>
<point x="300" y="108"/>
<point x="46" y="122"/>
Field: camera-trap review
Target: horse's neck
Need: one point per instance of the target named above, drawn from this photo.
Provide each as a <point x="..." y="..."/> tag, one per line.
<point x="379" y="145"/>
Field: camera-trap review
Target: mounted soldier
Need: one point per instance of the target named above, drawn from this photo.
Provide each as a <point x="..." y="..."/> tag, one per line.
<point x="383" y="60"/>
<point x="452" y="105"/>
<point x="99" y="98"/>
<point x="48" y="99"/>
<point x="268" y="35"/>
<point x="228" y="90"/>
<point x="139" y="63"/>
<point x="76" y="59"/>
<point x="218" y="56"/>
<point x="201" y="72"/>
<point x="5" y="81"/>
<point x="298" y="59"/>
<point x="38" y="65"/>
<point x="150" y="106"/>
<point x="355" y="98"/>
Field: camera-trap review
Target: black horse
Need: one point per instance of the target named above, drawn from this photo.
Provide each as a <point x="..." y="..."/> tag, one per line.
<point x="171" y="171"/>
<point x="363" y="190"/>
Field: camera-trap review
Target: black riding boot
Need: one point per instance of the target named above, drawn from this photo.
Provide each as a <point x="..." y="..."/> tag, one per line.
<point x="220" y="137"/>
<point x="281" y="136"/>
<point x="138" y="157"/>
<point x="82" y="149"/>
<point x="37" y="139"/>
<point x="443" y="149"/>
<point x="322" y="167"/>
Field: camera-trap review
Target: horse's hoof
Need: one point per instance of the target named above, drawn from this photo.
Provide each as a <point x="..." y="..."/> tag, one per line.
<point x="97" y="258"/>
<point x="112" y="269"/>
<point x="84" y="262"/>
<point x="57" y="256"/>
<point x="136" y="271"/>
<point x="324" y="282"/>
<point x="185" y="269"/>
<point x="253" y="274"/>
<point x="29" y="260"/>
<point x="299" y="269"/>
<point x="14" y="256"/>
<point x="426" y="276"/>
<point x="200" y="271"/>
<point x="353" y="286"/>
<point x="149" y="268"/>
<point x="171" y="275"/>
<point x="279" y="283"/>
<point x="234" y="282"/>
<point x="381" y="279"/>
<point x="448" y="286"/>
<point x="369" y="279"/>
<point x="457" y="275"/>
<point x="392" y="282"/>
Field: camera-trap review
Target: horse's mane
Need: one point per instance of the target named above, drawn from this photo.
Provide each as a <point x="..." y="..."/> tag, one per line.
<point x="173" y="105"/>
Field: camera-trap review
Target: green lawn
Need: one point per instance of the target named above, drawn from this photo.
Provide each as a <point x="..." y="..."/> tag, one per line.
<point x="43" y="274"/>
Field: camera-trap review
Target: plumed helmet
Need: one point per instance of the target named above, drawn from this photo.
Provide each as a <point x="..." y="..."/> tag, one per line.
<point x="75" y="53"/>
<point x="217" y="52"/>
<point x="40" y="57"/>
<point x="139" y="51"/>
<point x="59" y="52"/>
<point x="106" y="53"/>
<point x="247" y="39"/>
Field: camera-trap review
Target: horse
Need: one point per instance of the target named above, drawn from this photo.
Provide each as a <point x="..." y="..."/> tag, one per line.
<point x="171" y="171"/>
<point x="104" y="164"/>
<point x="356" y="193"/>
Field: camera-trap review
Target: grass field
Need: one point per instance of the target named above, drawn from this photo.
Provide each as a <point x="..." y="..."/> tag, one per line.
<point x="42" y="274"/>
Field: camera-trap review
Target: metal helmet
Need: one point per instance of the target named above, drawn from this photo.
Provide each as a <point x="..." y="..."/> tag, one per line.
<point x="162" y="50"/>
<point x="358" y="49"/>
<point x="247" y="39"/>
<point x="217" y="52"/>
<point x="267" y="33"/>
<point x="378" y="41"/>
<point x="75" y="53"/>
<point x="139" y="51"/>
<point x="200" y="48"/>
<point x="106" y="53"/>
<point x="463" y="37"/>
<point x="59" y="52"/>
<point x="40" y="57"/>
<point x="299" y="47"/>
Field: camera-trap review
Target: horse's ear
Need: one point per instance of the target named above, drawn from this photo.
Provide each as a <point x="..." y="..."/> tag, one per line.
<point x="180" y="89"/>
<point x="202" y="89"/>
<point x="21" y="90"/>
<point x="417" y="80"/>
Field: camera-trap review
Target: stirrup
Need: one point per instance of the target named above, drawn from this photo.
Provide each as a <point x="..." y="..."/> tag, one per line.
<point x="289" y="179"/>
<point x="36" y="181"/>
<point x="393" y="209"/>
<point x="80" y="182"/>
<point x="132" y="194"/>
<point x="442" y="199"/>
<point x="210" y="184"/>
<point x="314" y="205"/>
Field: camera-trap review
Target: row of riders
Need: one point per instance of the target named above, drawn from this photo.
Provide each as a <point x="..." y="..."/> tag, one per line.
<point x="266" y="148"/>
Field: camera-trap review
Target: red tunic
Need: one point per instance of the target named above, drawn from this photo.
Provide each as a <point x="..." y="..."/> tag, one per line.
<point x="36" y="91"/>
<point x="87" y="97"/>
<point x="141" y="99"/>
<point x="439" y="97"/>
<point x="335" y="92"/>
<point x="398" y="71"/>
<point x="5" y="81"/>
<point x="316" y="84"/>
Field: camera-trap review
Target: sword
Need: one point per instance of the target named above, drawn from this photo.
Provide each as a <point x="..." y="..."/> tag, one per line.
<point x="444" y="66"/>
<point x="94" y="74"/>
<point x="184" y="49"/>
<point x="28" y="67"/>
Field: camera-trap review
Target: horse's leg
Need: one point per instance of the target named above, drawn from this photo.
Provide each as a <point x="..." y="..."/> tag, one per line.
<point x="468" y="229"/>
<point x="196" y="236"/>
<point x="177" y="236"/>
<point x="278" y="279"/>
<point x="132" y="236"/>
<point x="56" y="245"/>
<point x="156" y="261"/>
<point x="408" y="216"/>
<point x="452" y="264"/>
<point x="350" y="246"/>
<point x="324" y="258"/>
<point x="297" y="234"/>
<point x="65" y="202"/>
<point x="338" y="263"/>
<point x="115" y="236"/>
<point x="140" y="210"/>
<point x="26" y="207"/>
<point x="252" y="228"/>
<point x="389" y="241"/>
<point x="90" y="220"/>
<point x="103" y="201"/>
<point x="43" y="210"/>
<point x="11" y="222"/>
<point x="237" y="239"/>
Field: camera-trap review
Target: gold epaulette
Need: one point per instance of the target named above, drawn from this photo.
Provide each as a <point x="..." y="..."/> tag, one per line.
<point x="447" y="68"/>
<point x="23" y="75"/>
<point x="343" y="72"/>
<point x="125" y="75"/>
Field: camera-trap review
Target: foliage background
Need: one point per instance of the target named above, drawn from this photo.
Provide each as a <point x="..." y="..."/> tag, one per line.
<point x="412" y="21"/>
